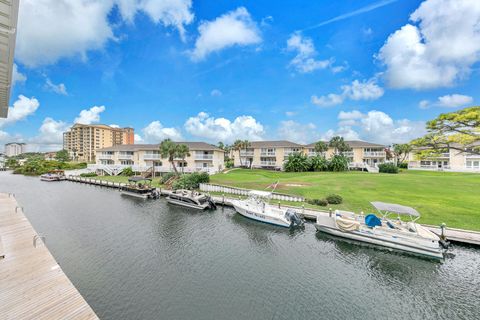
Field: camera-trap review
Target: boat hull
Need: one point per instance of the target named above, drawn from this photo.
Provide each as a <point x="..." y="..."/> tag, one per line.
<point x="257" y="216"/>
<point x="135" y="195"/>
<point x="398" y="246"/>
<point x="187" y="205"/>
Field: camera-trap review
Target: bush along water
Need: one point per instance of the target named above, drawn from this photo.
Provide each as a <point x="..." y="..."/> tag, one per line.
<point x="334" y="199"/>
<point x="191" y="181"/>
<point x="388" y="168"/>
<point x="298" y="162"/>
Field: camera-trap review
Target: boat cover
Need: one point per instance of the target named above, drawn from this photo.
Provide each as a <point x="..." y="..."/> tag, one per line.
<point x="397" y="208"/>
<point x="372" y="220"/>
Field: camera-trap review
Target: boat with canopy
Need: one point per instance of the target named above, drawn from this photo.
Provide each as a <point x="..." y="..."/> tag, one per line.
<point x="139" y="187"/>
<point x="53" y="175"/>
<point x="191" y="199"/>
<point x="385" y="231"/>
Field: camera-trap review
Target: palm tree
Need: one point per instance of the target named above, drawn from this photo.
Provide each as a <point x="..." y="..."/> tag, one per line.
<point x="171" y="151"/>
<point x="339" y="145"/>
<point x="320" y="147"/>
<point x="237" y="146"/>
<point x="245" y="145"/>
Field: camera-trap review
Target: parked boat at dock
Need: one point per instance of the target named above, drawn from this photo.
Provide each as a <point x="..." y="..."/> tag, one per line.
<point x="191" y="199"/>
<point x="256" y="207"/>
<point x="389" y="233"/>
<point x="140" y="187"/>
<point x="54" y="175"/>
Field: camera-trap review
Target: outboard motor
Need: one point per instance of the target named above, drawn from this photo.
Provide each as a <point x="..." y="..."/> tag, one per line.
<point x="295" y="220"/>
<point x="211" y="203"/>
<point x="443" y="238"/>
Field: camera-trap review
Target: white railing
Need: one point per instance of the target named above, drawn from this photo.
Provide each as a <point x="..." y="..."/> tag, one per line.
<point x="348" y="154"/>
<point x="246" y="153"/>
<point x="267" y="154"/>
<point x="204" y="157"/>
<point x="268" y="163"/>
<point x="125" y="157"/>
<point x="378" y="154"/>
<point x="472" y="155"/>
<point x="151" y="156"/>
<point x="105" y="156"/>
<point x="207" y="187"/>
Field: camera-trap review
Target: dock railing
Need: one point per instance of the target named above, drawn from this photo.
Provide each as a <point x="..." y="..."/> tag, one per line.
<point x="207" y="187"/>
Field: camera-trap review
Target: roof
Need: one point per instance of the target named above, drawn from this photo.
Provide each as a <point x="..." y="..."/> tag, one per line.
<point x="277" y="143"/>
<point x="140" y="147"/>
<point x="99" y="125"/>
<point x="354" y="144"/>
<point x="397" y="208"/>
<point x="8" y="28"/>
<point x="19" y="143"/>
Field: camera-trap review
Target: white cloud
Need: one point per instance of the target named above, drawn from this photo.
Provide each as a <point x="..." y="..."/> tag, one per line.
<point x="114" y="125"/>
<point x="57" y="88"/>
<point x="17" y="76"/>
<point x="376" y="126"/>
<point x="155" y="132"/>
<point x="137" y="138"/>
<point x="290" y="113"/>
<point x="90" y="116"/>
<point x="447" y="101"/>
<point x="175" y="13"/>
<point x="221" y="129"/>
<point x="357" y="90"/>
<point x="304" y="61"/>
<point x="51" y="131"/>
<point x="437" y="49"/>
<point x="297" y="132"/>
<point x="21" y="109"/>
<point x="49" y="30"/>
<point x="230" y="29"/>
<point x="216" y="93"/>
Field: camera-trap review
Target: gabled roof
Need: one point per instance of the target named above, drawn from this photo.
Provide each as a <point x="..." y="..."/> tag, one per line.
<point x="354" y="144"/>
<point x="274" y="144"/>
<point x="143" y="147"/>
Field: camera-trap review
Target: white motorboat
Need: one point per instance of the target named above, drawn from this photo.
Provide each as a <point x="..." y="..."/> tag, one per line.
<point x="54" y="175"/>
<point x="139" y="187"/>
<point x="191" y="199"/>
<point x="256" y="207"/>
<point x="394" y="234"/>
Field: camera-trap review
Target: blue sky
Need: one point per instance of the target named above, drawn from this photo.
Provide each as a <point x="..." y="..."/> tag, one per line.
<point x="198" y="70"/>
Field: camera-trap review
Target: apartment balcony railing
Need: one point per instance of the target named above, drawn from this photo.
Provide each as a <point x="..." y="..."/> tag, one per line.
<point x="151" y="156"/>
<point x="268" y="163"/>
<point x="204" y="157"/>
<point x="377" y="154"/>
<point x="348" y="154"/>
<point x="246" y="153"/>
<point x="125" y="156"/>
<point x="268" y="154"/>
<point x="472" y="155"/>
<point x="105" y="156"/>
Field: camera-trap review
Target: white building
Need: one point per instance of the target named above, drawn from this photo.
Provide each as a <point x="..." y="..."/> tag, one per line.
<point x="13" y="149"/>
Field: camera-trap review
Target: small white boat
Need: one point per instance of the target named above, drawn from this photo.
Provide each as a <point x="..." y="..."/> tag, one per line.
<point x="394" y="234"/>
<point x="139" y="187"/>
<point x="256" y="207"/>
<point x="54" y="175"/>
<point x="191" y="199"/>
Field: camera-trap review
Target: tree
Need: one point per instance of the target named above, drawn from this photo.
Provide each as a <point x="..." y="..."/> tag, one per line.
<point x="297" y="162"/>
<point x="318" y="163"/>
<point x="170" y="150"/>
<point x="338" y="163"/>
<point x="320" y="147"/>
<point x="339" y="145"/>
<point x="237" y="146"/>
<point x="220" y="145"/>
<point x="245" y="145"/>
<point x="11" y="163"/>
<point x="62" y="156"/>
<point x="401" y="151"/>
<point x="458" y="130"/>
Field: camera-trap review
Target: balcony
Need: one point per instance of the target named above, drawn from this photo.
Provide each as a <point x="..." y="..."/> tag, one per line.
<point x="125" y="157"/>
<point x="374" y="154"/>
<point x="268" y="154"/>
<point x="472" y="156"/>
<point x="348" y="154"/>
<point x="268" y="163"/>
<point x="203" y="156"/>
<point x="246" y="153"/>
<point x="105" y="156"/>
<point x="151" y="156"/>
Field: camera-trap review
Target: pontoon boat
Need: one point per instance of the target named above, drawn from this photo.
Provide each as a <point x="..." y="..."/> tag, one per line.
<point x="191" y="199"/>
<point x="256" y="207"/>
<point x="139" y="187"/>
<point x="54" y="175"/>
<point x="394" y="234"/>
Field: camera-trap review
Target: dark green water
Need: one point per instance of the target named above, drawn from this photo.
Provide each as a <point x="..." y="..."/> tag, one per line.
<point x="148" y="260"/>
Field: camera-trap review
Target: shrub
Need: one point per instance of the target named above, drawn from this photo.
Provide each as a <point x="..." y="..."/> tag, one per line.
<point x="388" y="168"/>
<point x="402" y="165"/>
<point x="334" y="199"/>
<point x="297" y="162"/>
<point x="318" y="202"/>
<point x="88" y="174"/>
<point x="338" y="163"/>
<point x="191" y="181"/>
<point x="229" y="163"/>
<point x="166" y="177"/>
<point x="318" y="163"/>
<point x="127" y="172"/>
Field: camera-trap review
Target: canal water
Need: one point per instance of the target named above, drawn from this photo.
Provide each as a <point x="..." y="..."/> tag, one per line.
<point x="135" y="259"/>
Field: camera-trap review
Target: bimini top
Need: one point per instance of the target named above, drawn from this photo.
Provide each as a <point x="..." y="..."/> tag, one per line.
<point x="137" y="179"/>
<point x="258" y="193"/>
<point x="397" y="208"/>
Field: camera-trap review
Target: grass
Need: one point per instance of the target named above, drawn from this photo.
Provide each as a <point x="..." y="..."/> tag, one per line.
<point x="453" y="198"/>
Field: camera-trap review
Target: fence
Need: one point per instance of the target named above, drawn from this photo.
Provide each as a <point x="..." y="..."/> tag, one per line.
<point x="206" y="187"/>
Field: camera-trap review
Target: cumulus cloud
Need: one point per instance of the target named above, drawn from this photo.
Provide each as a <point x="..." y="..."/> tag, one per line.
<point x="22" y="108"/>
<point x="222" y="129"/>
<point x="304" y="61"/>
<point x="51" y="132"/>
<point x="297" y="132"/>
<point x="216" y="93"/>
<point x="17" y="76"/>
<point x="57" y="88"/>
<point x="438" y="48"/>
<point x="357" y="90"/>
<point x="232" y="28"/>
<point x="156" y="132"/>
<point x="90" y="116"/>
<point x="376" y="126"/>
<point x="447" y="101"/>
<point x="49" y="30"/>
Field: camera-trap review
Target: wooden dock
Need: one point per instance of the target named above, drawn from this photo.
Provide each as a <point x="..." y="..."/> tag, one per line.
<point x="32" y="284"/>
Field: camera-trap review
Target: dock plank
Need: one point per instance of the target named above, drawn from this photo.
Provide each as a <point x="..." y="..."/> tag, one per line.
<point x="32" y="284"/>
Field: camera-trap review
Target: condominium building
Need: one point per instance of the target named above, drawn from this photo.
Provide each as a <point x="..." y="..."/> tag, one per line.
<point x="82" y="140"/>
<point x="14" y="149"/>
<point x="272" y="154"/>
<point x="203" y="157"/>
<point x="450" y="160"/>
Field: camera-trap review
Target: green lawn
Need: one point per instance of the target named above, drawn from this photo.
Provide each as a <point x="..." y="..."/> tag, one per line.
<point x="155" y="182"/>
<point x="453" y="198"/>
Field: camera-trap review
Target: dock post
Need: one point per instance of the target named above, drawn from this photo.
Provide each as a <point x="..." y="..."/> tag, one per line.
<point x="223" y="198"/>
<point x="330" y="212"/>
<point x="442" y="228"/>
<point x="278" y="204"/>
